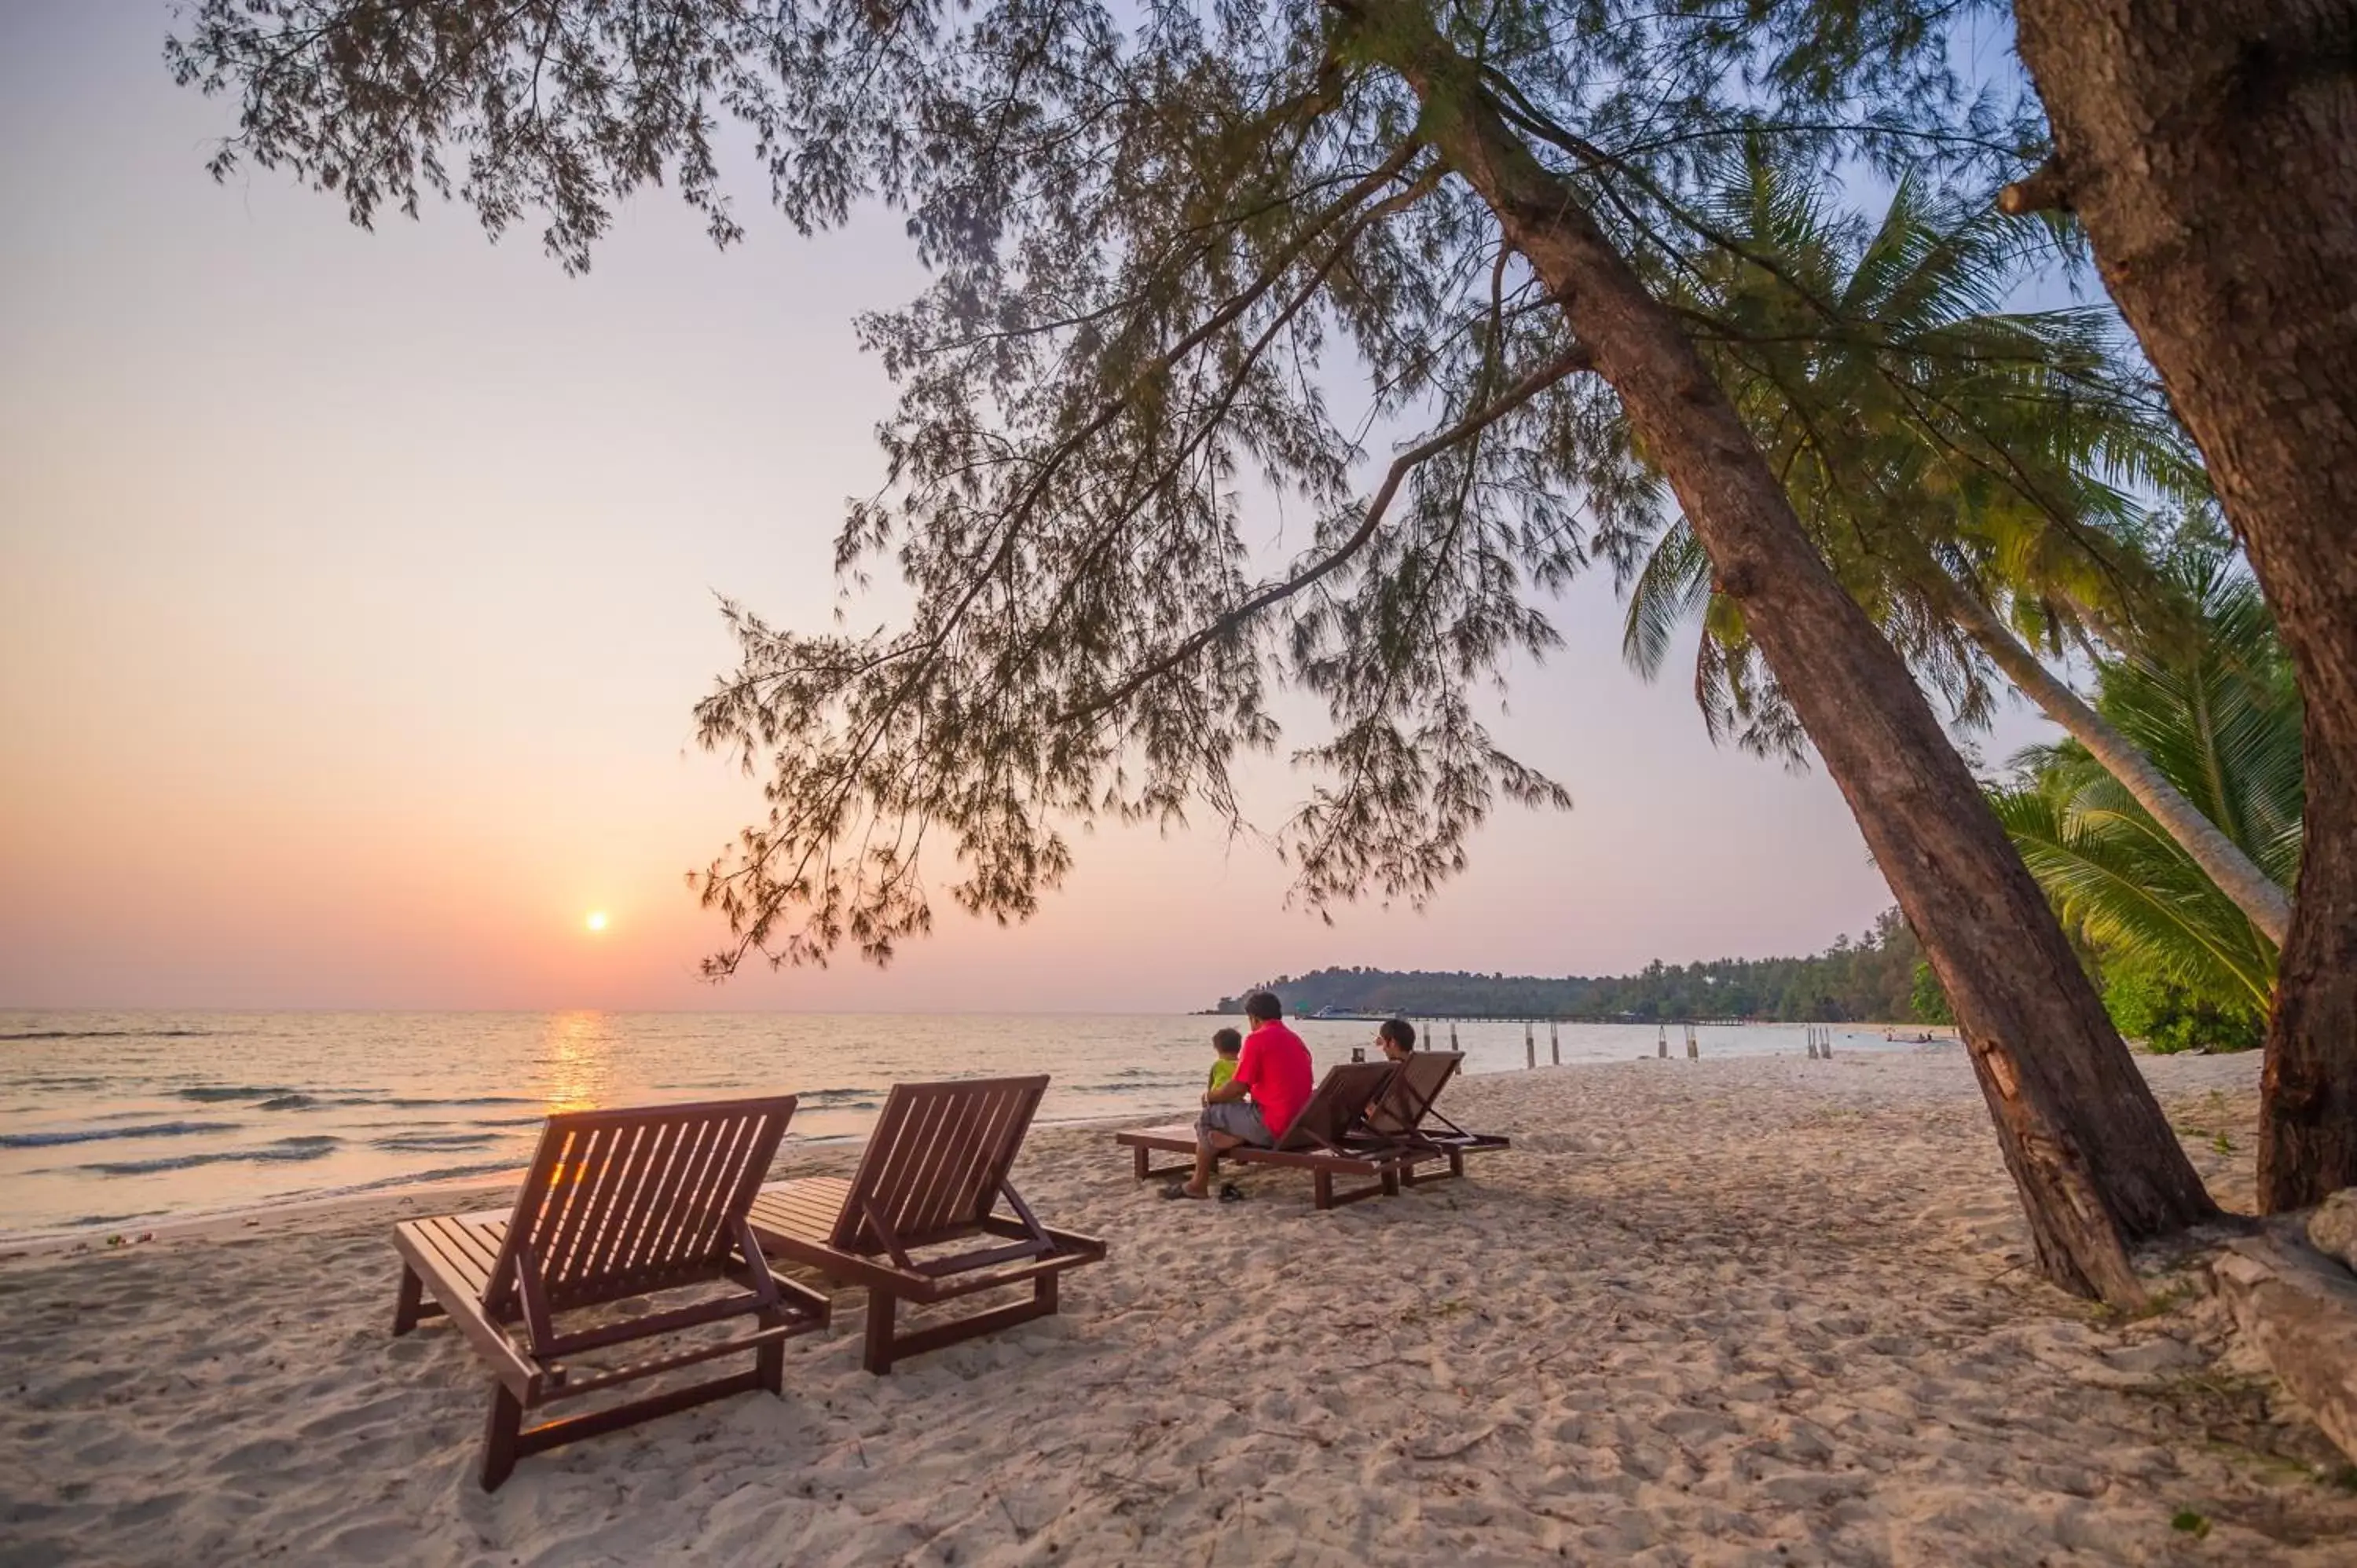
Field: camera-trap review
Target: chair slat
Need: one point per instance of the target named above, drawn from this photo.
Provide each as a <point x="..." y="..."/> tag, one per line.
<point x="935" y="1165"/>
<point x="664" y="1218"/>
<point x="1341" y="1099"/>
<point x="687" y="1209"/>
<point x="921" y="1139"/>
<point x="616" y="1199"/>
<point x="906" y="1135"/>
<point x="702" y="1235"/>
<point x="571" y="1268"/>
<point x="573" y="1182"/>
<point x="956" y="1148"/>
<point x="617" y="1250"/>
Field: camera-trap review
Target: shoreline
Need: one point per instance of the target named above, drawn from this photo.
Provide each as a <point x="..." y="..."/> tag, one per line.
<point x="1771" y="1310"/>
<point x="141" y="1230"/>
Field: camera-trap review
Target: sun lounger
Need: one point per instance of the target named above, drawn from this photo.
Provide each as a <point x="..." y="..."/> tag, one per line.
<point x="934" y="1171"/>
<point x="617" y="1204"/>
<point x="1320" y="1141"/>
<point x="1404" y="1114"/>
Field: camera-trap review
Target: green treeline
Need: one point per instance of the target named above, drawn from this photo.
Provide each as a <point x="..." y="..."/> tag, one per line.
<point x="1873" y="979"/>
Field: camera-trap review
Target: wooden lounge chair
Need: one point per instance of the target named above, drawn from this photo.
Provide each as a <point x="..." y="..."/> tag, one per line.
<point x="933" y="1173"/>
<point x="1320" y="1139"/>
<point x="616" y="1204"/>
<point x="1404" y="1114"/>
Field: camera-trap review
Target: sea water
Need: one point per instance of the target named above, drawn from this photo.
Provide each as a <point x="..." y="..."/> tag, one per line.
<point x="108" y="1120"/>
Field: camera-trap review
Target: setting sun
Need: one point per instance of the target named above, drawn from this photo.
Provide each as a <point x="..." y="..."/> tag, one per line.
<point x="597" y="921"/>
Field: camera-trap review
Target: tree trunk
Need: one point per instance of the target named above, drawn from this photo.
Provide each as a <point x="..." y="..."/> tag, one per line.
<point x="2255" y="893"/>
<point x="2097" y="1165"/>
<point x="2211" y="148"/>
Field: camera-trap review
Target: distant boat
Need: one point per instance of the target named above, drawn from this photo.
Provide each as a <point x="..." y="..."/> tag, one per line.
<point x="1331" y="1014"/>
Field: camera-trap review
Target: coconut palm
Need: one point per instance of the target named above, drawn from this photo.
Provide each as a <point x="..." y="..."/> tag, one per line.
<point x="2221" y="720"/>
<point x="1970" y="473"/>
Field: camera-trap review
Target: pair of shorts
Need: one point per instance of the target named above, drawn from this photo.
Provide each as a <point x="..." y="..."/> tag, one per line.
<point x="1238" y="1119"/>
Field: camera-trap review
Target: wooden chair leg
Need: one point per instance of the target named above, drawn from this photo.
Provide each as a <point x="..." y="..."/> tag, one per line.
<point x="1457" y="1161"/>
<point x="413" y="1296"/>
<point x="1390" y="1181"/>
<point x="882" y="1307"/>
<point x="769" y="1360"/>
<point x="1322" y="1189"/>
<point x="499" y="1437"/>
<point x="1138" y="1153"/>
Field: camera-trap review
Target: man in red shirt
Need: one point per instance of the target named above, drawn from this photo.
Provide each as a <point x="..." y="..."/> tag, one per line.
<point x="1273" y="1069"/>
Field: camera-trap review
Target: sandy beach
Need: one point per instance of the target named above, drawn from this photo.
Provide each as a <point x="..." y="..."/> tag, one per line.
<point x="1761" y="1311"/>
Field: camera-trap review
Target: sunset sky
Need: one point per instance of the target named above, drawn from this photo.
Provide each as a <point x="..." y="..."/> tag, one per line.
<point x="355" y="589"/>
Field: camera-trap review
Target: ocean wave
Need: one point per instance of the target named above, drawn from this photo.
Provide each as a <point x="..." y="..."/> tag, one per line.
<point x="103" y="1033"/>
<point x="81" y="1221"/>
<point x="474" y="1100"/>
<point x="216" y="1093"/>
<point x="93" y="1135"/>
<point x="427" y="1142"/>
<point x="839" y="1099"/>
<point x="312" y="1146"/>
<point x="1144" y="1085"/>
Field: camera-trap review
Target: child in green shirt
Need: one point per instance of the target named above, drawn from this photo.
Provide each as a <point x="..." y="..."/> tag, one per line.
<point x="1229" y="1044"/>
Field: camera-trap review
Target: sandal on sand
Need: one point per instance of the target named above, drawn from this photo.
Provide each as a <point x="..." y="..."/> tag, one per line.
<point x="1178" y="1189"/>
<point x="1230" y="1193"/>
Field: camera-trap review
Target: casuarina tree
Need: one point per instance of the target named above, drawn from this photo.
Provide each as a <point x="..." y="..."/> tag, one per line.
<point x="1163" y="242"/>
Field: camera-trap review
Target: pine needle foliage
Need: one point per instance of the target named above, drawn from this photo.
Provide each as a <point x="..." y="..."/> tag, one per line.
<point x="1189" y="264"/>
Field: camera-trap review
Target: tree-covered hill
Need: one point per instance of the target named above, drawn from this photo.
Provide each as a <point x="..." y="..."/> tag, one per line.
<point x="1871" y="979"/>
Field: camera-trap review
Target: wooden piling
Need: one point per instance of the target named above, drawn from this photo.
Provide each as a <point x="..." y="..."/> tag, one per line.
<point x="1555" y="1041"/>
<point x="1694" y="1047"/>
<point x="1530" y="1046"/>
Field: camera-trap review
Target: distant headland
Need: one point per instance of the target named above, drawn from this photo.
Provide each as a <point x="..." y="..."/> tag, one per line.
<point x="1879" y="977"/>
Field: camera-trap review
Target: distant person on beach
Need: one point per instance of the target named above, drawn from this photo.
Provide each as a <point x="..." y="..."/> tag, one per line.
<point x="1225" y="1044"/>
<point x="1272" y="1070"/>
<point x="1396" y="1039"/>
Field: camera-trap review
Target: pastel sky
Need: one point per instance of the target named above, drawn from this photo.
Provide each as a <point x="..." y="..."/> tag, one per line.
<point x="355" y="589"/>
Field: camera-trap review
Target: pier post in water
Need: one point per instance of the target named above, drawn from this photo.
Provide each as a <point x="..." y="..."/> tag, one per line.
<point x="1530" y="1046"/>
<point x="1826" y="1042"/>
<point x="1662" y="1042"/>
<point x="1452" y="1034"/>
<point x="1554" y="1040"/>
<point x="1694" y="1047"/>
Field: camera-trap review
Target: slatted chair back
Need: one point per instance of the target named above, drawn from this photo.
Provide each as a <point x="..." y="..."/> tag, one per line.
<point x="625" y="1201"/>
<point x="1403" y="1107"/>
<point x="1341" y="1099"/>
<point x="936" y="1163"/>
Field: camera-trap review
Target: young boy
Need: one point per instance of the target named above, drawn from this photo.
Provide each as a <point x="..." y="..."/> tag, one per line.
<point x="1229" y="1044"/>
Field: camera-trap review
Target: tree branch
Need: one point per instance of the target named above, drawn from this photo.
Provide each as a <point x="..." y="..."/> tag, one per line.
<point x="1521" y="393"/>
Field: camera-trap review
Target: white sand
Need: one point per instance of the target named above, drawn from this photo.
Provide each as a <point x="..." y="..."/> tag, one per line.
<point x="1765" y="1311"/>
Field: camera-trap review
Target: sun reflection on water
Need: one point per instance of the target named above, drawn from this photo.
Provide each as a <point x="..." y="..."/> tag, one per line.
<point x="576" y="1061"/>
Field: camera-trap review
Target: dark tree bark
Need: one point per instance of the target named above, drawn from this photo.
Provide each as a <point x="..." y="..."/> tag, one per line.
<point x="2096" y="1164"/>
<point x="2210" y="146"/>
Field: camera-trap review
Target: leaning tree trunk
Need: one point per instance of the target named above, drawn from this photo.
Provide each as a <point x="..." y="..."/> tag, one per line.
<point x="2096" y="1164"/>
<point x="2257" y="894"/>
<point x="2211" y="148"/>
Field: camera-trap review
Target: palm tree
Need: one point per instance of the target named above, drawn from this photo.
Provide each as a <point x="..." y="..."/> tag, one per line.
<point x="1966" y="470"/>
<point x="2221" y="720"/>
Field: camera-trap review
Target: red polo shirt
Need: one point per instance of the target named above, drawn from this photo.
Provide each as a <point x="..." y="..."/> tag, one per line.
<point x="1275" y="1065"/>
